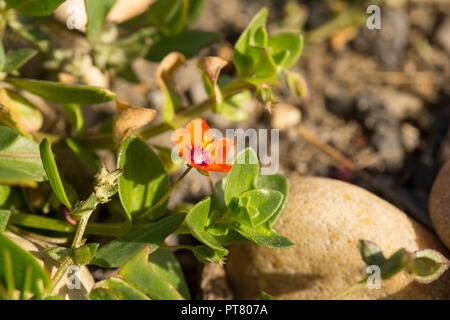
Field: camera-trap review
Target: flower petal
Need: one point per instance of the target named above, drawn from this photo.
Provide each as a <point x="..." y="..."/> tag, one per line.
<point x="200" y="132"/>
<point x="218" y="150"/>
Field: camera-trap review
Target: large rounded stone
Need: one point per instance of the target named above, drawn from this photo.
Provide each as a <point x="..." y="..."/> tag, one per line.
<point x="325" y="218"/>
<point x="440" y="204"/>
<point x="35" y="247"/>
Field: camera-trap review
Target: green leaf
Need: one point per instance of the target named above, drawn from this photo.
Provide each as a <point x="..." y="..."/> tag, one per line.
<point x="429" y="265"/>
<point x="20" y="162"/>
<point x="18" y="113"/>
<point x="5" y="191"/>
<point x="265" y="296"/>
<point x="34" y="8"/>
<point x="283" y="43"/>
<point x="197" y="221"/>
<point x="17" y="58"/>
<point x="96" y="14"/>
<point x="4" y="218"/>
<point x="90" y="159"/>
<point x="232" y="108"/>
<point x="396" y="263"/>
<point x="261" y="65"/>
<point x="244" y="169"/>
<point x="169" y="16"/>
<point x="275" y="182"/>
<point x="2" y="57"/>
<point x="165" y="264"/>
<point x="58" y="253"/>
<point x="120" y="250"/>
<point x="195" y="9"/>
<point x="115" y="289"/>
<point x="263" y="236"/>
<point x="207" y="255"/>
<point x="64" y="93"/>
<point x="84" y="254"/>
<point x="247" y="37"/>
<point x="75" y="117"/>
<point x="144" y="180"/>
<point x="142" y="275"/>
<point x="264" y="202"/>
<point x="52" y="173"/>
<point x="20" y="261"/>
<point x="243" y="62"/>
<point x="371" y="253"/>
<point x="188" y="43"/>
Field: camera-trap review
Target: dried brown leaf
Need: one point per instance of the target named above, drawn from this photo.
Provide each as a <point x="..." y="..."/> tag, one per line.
<point x="129" y="118"/>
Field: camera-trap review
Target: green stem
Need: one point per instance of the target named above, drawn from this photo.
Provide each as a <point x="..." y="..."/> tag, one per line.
<point x="349" y="290"/>
<point x="67" y="262"/>
<point x="39" y="222"/>
<point x="165" y="197"/>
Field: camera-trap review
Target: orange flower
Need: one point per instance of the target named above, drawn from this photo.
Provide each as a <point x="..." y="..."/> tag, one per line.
<point x="196" y="145"/>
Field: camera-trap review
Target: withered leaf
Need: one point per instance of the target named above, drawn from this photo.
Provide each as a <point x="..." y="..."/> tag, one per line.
<point x="211" y="67"/>
<point x="129" y="118"/>
<point x="164" y="76"/>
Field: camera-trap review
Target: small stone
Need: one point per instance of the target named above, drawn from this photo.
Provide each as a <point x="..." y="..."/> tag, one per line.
<point x="325" y="218"/>
<point x="440" y="204"/>
<point x="410" y="137"/>
<point x="391" y="42"/>
<point x="284" y="116"/>
<point x="401" y="104"/>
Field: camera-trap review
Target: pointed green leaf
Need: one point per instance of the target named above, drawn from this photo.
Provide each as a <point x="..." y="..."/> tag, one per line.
<point x="144" y="180"/>
<point x="17" y="58"/>
<point x="394" y="264"/>
<point x="20" y="162"/>
<point x="58" y="253"/>
<point x="197" y="220"/>
<point x="64" y="93"/>
<point x="169" y="16"/>
<point x="289" y="45"/>
<point x="275" y="182"/>
<point x="263" y="236"/>
<point x="75" y="117"/>
<point x="165" y="264"/>
<point x="207" y="255"/>
<point x="21" y="259"/>
<point x="96" y="14"/>
<point x="52" y="173"/>
<point x="84" y="254"/>
<point x="34" y="8"/>
<point x="371" y="253"/>
<point x="429" y="265"/>
<point x="244" y="169"/>
<point x="264" y="202"/>
<point x="142" y="275"/>
<point x="2" y="57"/>
<point x="120" y="250"/>
<point x="115" y="289"/>
<point x="195" y="9"/>
<point x="4" y="218"/>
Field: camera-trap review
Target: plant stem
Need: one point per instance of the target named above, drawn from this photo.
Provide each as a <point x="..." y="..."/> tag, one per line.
<point x="349" y="290"/>
<point x="67" y="262"/>
<point x="166" y="196"/>
<point x="39" y="222"/>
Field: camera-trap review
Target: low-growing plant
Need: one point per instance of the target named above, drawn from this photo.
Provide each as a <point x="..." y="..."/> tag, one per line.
<point x="38" y="199"/>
